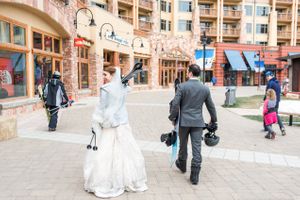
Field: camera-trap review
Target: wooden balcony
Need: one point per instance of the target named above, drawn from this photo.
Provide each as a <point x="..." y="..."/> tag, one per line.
<point x="232" y="14"/>
<point x="209" y="30"/>
<point x="231" y="32"/>
<point x="128" y="2"/>
<point x="208" y="12"/>
<point x="145" y="25"/>
<point x="284" y="34"/>
<point x="284" y="17"/>
<point x="126" y="18"/>
<point x="145" y="4"/>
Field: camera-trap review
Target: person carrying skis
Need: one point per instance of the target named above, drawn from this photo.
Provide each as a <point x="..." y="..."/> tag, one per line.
<point x="55" y="96"/>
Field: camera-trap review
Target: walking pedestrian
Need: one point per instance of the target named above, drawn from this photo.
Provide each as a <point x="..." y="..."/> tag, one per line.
<point x="269" y="113"/>
<point x="189" y="100"/>
<point x="273" y="83"/>
<point x="55" y="95"/>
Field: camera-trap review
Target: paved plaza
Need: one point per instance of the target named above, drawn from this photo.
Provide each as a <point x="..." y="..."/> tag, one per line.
<point x="39" y="165"/>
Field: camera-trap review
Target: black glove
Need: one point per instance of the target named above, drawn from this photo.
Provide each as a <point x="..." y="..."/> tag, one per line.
<point x="212" y="127"/>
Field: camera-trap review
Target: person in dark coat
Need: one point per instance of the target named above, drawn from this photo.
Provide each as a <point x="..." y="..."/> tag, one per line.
<point x="274" y="84"/>
<point x="189" y="100"/>
<point x="55" y="95"/>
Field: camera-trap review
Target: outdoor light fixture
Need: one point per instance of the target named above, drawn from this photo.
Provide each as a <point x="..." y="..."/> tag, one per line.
<point x="142" y="45"/>
<point x="205" y="41"/>
<point x="112" y="32"/>
<point x="259" y="63"/>
<point x="92" y="23"/>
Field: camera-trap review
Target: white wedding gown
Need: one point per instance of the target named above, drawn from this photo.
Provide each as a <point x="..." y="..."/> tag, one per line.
<point x="118" y="165"/>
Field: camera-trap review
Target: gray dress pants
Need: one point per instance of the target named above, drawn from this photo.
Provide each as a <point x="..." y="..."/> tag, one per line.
<point x="196" y="139"/>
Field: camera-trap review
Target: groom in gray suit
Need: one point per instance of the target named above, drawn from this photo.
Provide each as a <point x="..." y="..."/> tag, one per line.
<point x="189" y="100"/>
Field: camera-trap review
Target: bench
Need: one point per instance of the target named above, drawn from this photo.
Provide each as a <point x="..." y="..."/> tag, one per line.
<point x="290" y="108"/>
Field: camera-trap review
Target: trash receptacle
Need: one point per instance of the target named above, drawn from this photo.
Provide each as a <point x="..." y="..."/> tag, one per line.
<point x="230" y="96"/>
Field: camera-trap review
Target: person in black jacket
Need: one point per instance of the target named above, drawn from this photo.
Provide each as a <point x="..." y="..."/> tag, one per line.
<point x="273" y="83"/>
<point x="55" y="95"/>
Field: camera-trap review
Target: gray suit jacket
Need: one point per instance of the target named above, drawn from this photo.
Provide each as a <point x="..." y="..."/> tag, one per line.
<point x="189" y="98"/>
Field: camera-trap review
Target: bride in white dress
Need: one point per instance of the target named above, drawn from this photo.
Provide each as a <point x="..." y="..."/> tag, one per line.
<point x="118" y="165"/>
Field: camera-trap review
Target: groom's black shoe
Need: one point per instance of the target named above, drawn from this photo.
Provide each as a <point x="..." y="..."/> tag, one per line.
<point x="181" y="165"/>
<point x="194" y="178"/>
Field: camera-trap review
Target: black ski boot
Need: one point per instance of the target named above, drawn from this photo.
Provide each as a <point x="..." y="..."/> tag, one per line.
<point x="181" y="165"/>
<point x="194" y="178"/>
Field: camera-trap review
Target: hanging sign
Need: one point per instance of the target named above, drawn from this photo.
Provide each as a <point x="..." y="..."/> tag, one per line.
<point x="118" y="39"/>
<point x="80" y="42"/>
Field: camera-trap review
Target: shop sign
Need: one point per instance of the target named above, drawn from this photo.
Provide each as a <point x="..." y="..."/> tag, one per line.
<point x="118" y="39"/>
<point x="80" y="42"/>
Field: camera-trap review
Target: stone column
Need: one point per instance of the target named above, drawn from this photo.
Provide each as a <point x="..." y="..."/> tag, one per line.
<point x="155" y="17"/>
<point x="113" y="7"/>
<point x="243" y="37"/>
<point x="272" y="34"/>
<point x="95" y="73"/>
<point x="70" y="71"/>
<point x="196" y="24"/>
<point x="221" y="21"/>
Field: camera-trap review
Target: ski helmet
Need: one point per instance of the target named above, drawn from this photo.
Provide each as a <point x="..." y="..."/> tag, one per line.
<point x="211" y="139"/>
<point x="56" y="75"/>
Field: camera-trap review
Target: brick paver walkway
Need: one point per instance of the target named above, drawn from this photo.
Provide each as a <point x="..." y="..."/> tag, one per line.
<point x="39" y="165"/>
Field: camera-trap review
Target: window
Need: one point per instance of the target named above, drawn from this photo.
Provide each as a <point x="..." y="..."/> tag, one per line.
<point x="249" y="27"/>
<point x="262" y="11"/>
<point x="12" y="33"/>
<point x="261" y="28"/>
<point x="163" y="6"/>
<point x="83" y="67"/>
<point x="46" y="42"/>
<point x="261" y="43"/>
<point x="169" y="7"/>
<point x="184" y="25"/>
<point x="4" y="32"/>
<point x="185" y="6"/>
<point x="248" y="9"/>
<point x="163" y="24"/>
<point x="169" y="26"/>
<point x="204" y="6"/>
<point x="19" y="35"/>
<point x="12" y="74"/>
<point x="102" y="6"/>
<point x="142" y="77"/>
<point x="37" y="40"/>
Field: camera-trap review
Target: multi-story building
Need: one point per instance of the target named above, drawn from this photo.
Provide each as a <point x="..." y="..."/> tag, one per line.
<point x="39" y="37"/>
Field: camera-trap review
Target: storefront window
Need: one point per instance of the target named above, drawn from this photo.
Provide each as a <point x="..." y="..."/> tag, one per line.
<point x="4" y="32"/>
<point x="12" y="74"/>
<point x="37" y="40"/>
<point x="84" y="75"/>
<point x="42" y="70"/>
<point x="19" y="35"/>
<point x="48" y="43"/>
<point x="83" y="68"/>
<point x="142" y="77"/>
<point x="56" y="46"/>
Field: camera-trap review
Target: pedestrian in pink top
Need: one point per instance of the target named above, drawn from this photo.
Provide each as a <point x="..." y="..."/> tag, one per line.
<point x="269" y="113"/>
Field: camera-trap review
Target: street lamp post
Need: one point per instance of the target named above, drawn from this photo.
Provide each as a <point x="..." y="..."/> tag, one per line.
<point x="205" y="41"/>
<point x="258" y="54"/>
<point x="92" y="23"/>
<point x="142" y="44"/>
<point x="112" y="32"/>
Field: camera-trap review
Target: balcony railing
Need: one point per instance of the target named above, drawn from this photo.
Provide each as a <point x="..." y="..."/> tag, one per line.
<point x="284" y="34"/>
<point x="231" y="32"/>
<point x="145" y="25"/>
<point x="126" y="1"/>
<point x="284" y="16"/>
<point x="209" y="30"/>
<point x="146" y="4"/>
<point x="126" y="18"/>
<point x="208" y="12"/>
<point x="232" y="13"/>
<point x="284" y="1"/>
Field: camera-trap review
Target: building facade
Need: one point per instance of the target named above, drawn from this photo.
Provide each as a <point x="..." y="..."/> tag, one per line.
<point x="39" y="37"/>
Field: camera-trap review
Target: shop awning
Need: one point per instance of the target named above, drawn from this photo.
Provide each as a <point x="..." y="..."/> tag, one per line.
<point x="293" y="53"/>
<point x="250" y="58"/>
<point x="236" y="61"/>
<point x="285" y="58"/>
